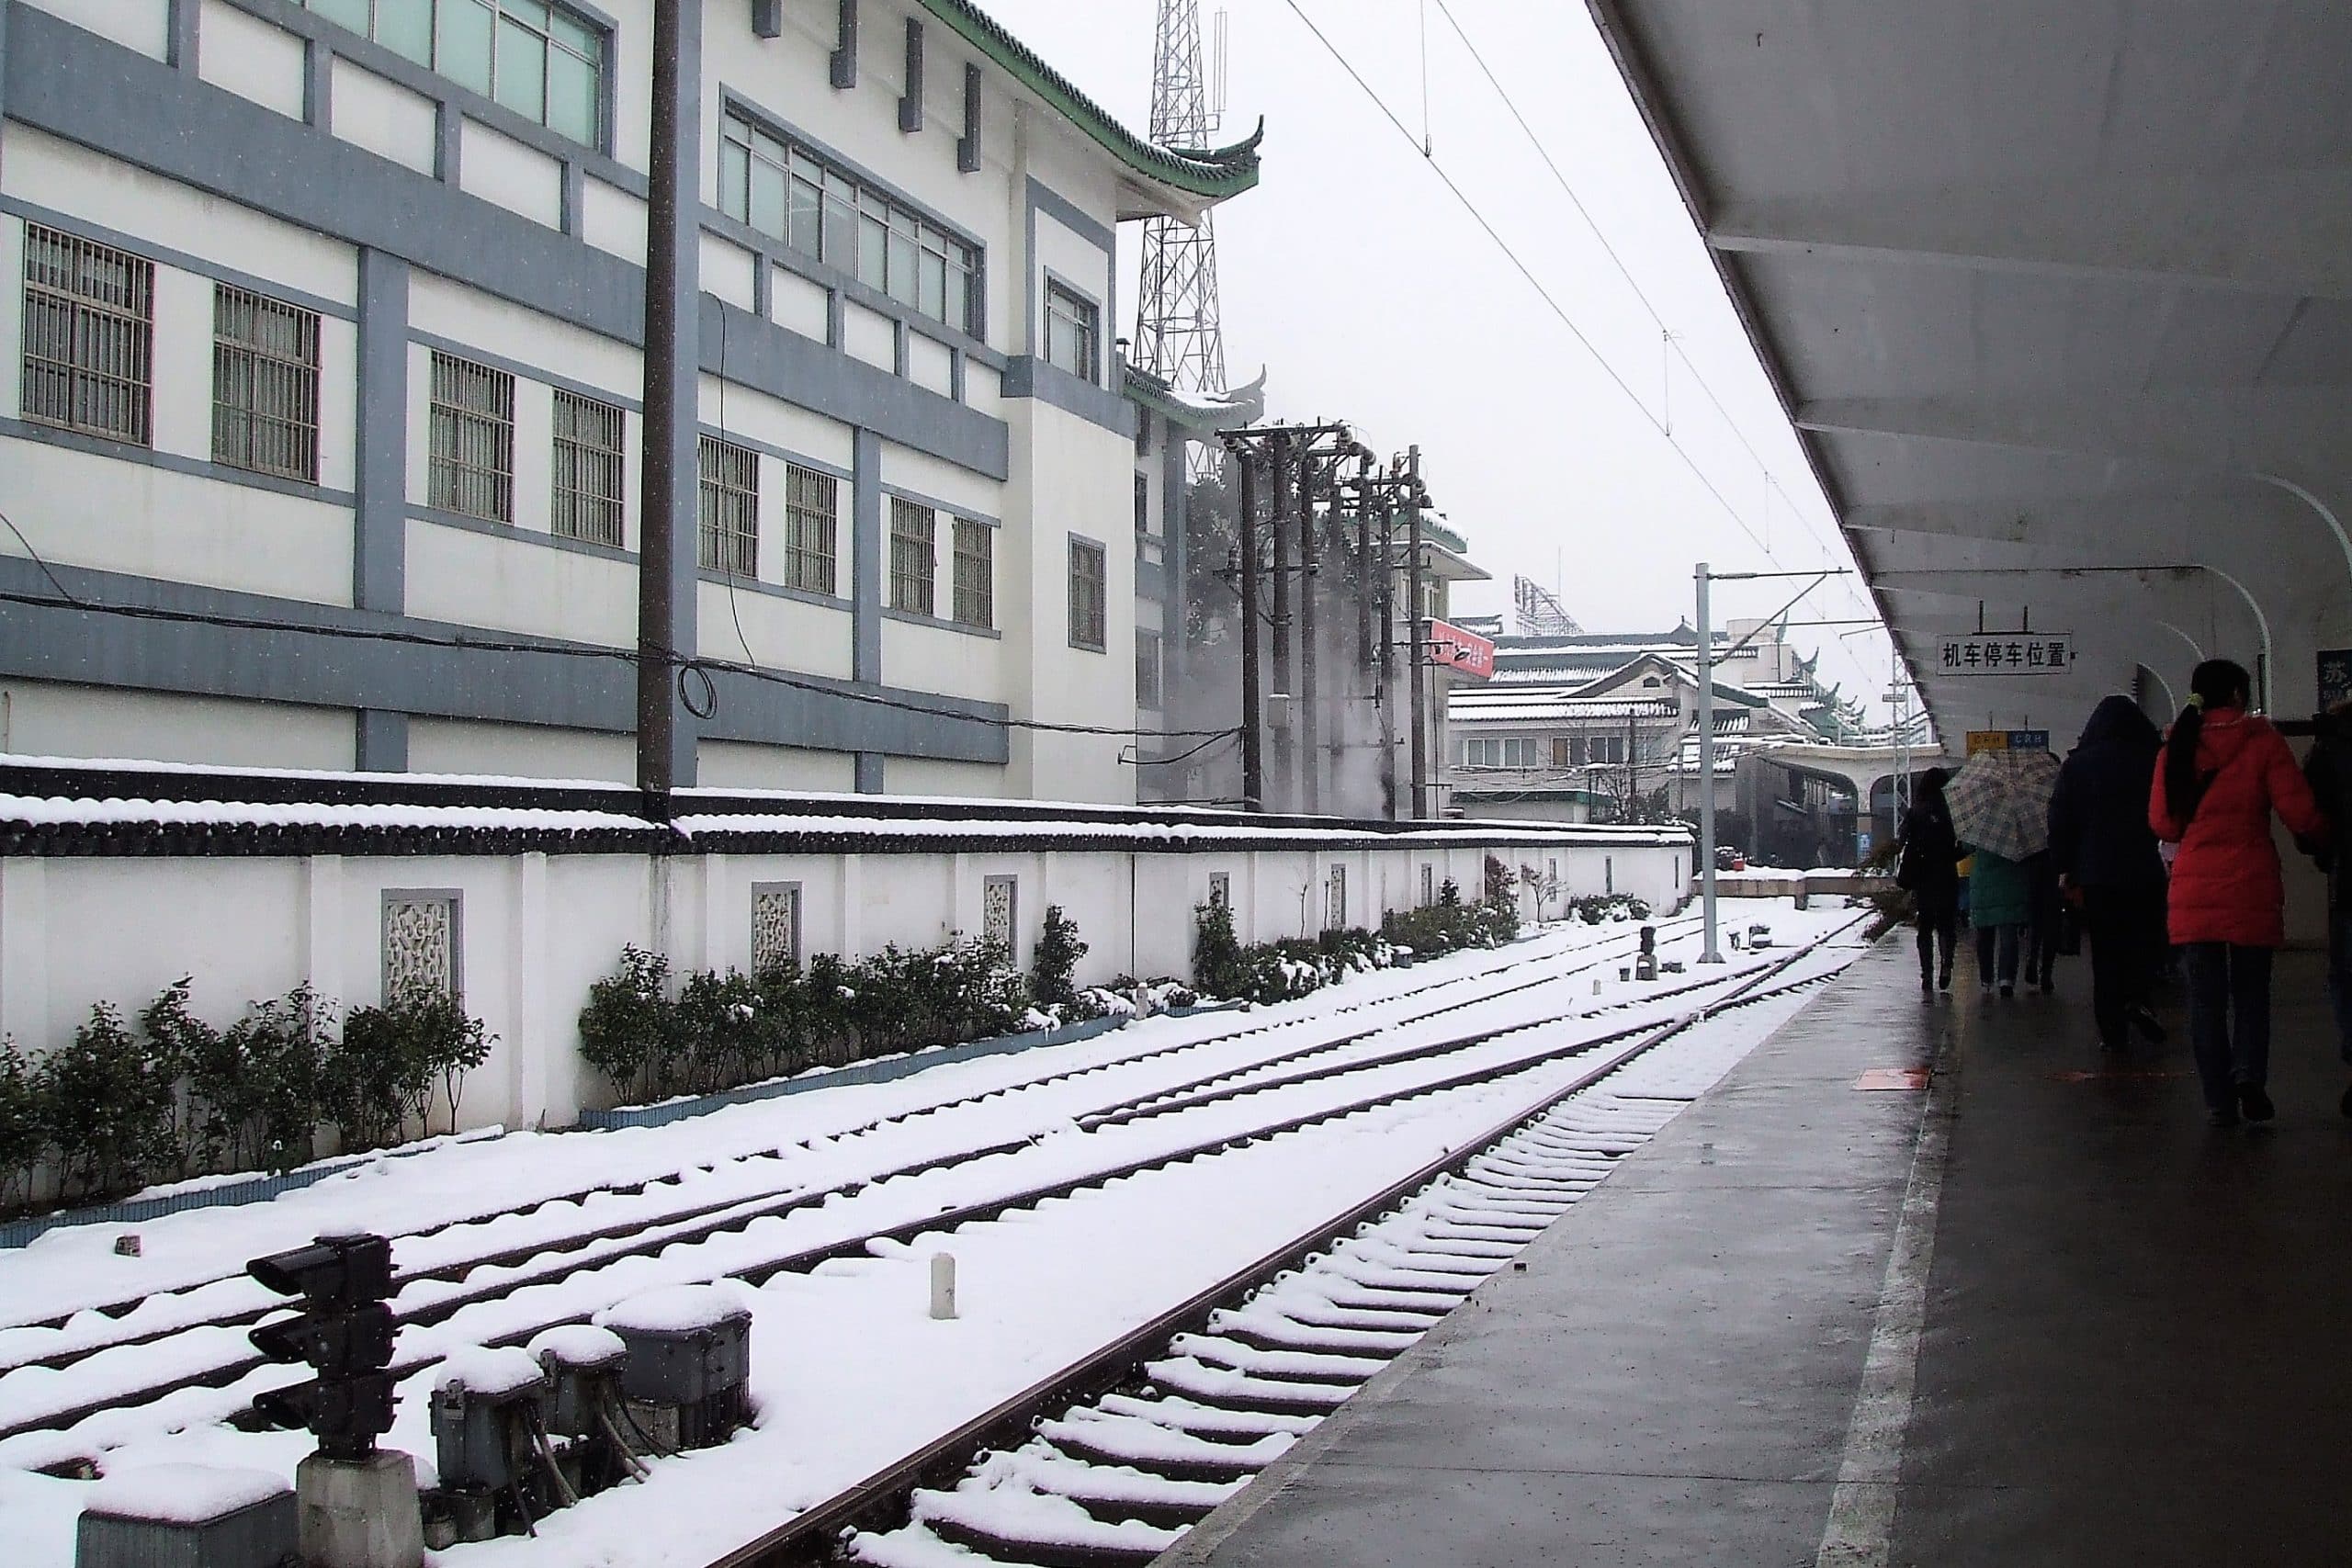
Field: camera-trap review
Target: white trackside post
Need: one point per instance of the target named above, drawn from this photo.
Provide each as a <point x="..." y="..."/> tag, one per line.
<point x="942" y="1285"/>
<point x="1709" y="953"/>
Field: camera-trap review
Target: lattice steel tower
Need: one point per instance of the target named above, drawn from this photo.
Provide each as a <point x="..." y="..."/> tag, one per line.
<point x="1178" y="336"/>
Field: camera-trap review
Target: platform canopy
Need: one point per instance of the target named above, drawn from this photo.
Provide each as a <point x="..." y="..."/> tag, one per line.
<point x="2058" y="294"/>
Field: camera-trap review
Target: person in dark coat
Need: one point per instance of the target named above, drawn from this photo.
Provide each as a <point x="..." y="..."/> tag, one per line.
<point x="2224" y="771"/>
<point x="2044" y="911"/>
<point x="2106" y="855"/>
<point x="2328" y="770"/>
<point x="1929" y="870"/>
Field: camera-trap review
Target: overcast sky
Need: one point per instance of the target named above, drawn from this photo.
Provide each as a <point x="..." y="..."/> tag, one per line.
<point x="1369" y="294"/>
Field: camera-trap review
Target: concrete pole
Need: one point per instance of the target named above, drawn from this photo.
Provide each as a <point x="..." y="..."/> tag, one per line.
<point x="1284" y="793"/>
<point x="1388" y="653"/>
<point x="672" y="255"/>
<point x="1253" y="709"/>
<point x="1415" y="656"/>
<point x="1310" y="683"/>
<point x="1709" y="953"/>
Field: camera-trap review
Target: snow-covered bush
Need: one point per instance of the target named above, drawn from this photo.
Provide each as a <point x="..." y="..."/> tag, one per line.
<point x="1053" y="973"/>
<point x="625" y="1028"/>
<point x="1599" y="909"/>
<point x="108" y="1106"/>
<point x="24" y="1130"/>
<point x="383" y="1071"/>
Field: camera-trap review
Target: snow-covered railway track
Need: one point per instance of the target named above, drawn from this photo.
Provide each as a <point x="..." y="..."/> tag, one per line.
<point x="1110" y="1458"/>
<point x="653" y="1225"/>
<point x="217" y="1378"/>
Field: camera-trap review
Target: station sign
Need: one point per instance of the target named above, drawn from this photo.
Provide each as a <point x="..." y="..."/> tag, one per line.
<point x="2005" y="653"/>
<point x="2007" y="740"/>
<point x="1466" y="653"/>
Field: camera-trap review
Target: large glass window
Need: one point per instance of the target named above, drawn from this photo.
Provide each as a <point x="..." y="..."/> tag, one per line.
<point x="265" y="384"/>
<point x="89" y="335"/>
<point x="788" y="192"/>
<point x="533" y="56"/>
<point x="471" y="445"/>
<point x="1073" y="331"/>
<point x="811" y="502"/>
<point x="731" y="508"/>
<point x="975" y="573"/>
<point x="913" y="556"/>
<point x="1088" y="594"/>
<point x="587" y="485"/>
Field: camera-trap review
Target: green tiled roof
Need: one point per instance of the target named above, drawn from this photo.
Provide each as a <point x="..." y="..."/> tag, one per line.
<point x="1216" y="173"/>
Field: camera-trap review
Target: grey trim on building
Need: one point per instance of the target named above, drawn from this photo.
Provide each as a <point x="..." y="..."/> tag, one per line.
<point x="949" y="507"/>
<point x="868" y="566"/>
<point x="379" y="436"/>
<point x="1045" y="198"/>
<point x="844" y="62"/>
<point x="678" y="515"/>
<point x="274" y="654"/>
<point x="967" y="146"/>
<point x="180" y="38"/>
<point x="1029" y="376"/>
<point x="867" y="775"/>
<point x="782" y="453"/>
<point x="449" y="143"/>
<point x="1038" y="197"/>
<point x="910" y="98"/>
<point x="839" y="603"/>
<point x="379" y="742"/>
<point x="165" y="256"/>
<point x="573" y="215"/>
<point x="496" y="530"/>
<point x="318" y="86"/>
<point x="170" y="462"/>
<point x="524" y="371"/>
<point x="936" y="624"/>
<point x="72" y="83"/>
<point x="767" y="18"/>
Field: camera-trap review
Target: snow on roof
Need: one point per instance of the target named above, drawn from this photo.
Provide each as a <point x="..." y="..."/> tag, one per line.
<point x="182" y="1493"/>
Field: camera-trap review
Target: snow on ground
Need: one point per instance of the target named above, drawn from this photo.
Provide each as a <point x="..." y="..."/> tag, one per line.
<point x="849" y="1370"/>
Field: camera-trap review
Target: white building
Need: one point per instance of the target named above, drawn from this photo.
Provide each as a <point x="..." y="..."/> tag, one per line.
<point x="328" y="372"/>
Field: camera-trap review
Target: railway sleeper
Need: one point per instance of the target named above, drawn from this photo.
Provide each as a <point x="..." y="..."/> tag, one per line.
<point x="1096" y="1548"/>
<point x="1273" y="1332"/>
<point x="1290" y="1366"/>
<point x="1206" y="1421"/>
<point x="1197" y="1378"/>
<point x="1178" y="1453"/>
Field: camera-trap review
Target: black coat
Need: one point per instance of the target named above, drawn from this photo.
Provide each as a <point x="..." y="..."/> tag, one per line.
<point x="2329" y="769"/>
<point x="2099" y="817"/>
<point x="1932" y="852"/>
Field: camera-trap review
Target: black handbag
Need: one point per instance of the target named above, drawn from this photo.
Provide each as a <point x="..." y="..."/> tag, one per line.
<point x="2069" y="932"/>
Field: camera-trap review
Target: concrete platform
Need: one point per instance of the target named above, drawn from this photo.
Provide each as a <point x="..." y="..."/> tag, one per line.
<point x="2111" y="1334"/>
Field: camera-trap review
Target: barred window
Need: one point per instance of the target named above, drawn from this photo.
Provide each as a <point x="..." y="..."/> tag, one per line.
<point x="975" y="573"/>
<point x="1073" y="331"/>
<point x="792" y="193"/>
<point x="587" y="497"/>
<point x="265" y="384"/>
<point x="731" y="508"/>
<point x="533" y="56"/>
<point x="913" y="557"/>
<point x="470" y="443"/>
<point x="89" y="336"/>
<point x="1088" y="594"/>
<point x="811" y="502"/>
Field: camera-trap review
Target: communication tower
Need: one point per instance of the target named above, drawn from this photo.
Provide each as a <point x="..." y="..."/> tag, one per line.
<point x="1178" y="336"/>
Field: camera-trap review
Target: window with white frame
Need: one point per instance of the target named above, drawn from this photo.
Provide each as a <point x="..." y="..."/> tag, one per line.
<point x="914" y="557"/>
<point x="586" y="500"/>
<point x="265" y="384"/>
<point x="776" y="928"/>
<point x="975" y="574"/>
<point x="420" y="944"/>
<point x="89" y="350"/>
<point x="1073" y="331"/>
<point x="471" y="439"/>
<point x="731" y="508"/>
<point x="790" y="192"/>
<point x="1089" y="578"/>
<point x="534" y="57"/>
<point x="1499" y="751"/>
<point x="811" y="506"/>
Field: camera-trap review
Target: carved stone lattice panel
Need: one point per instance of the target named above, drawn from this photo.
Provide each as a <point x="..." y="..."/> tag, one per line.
<point x="420" y="944"/>
<point x="996" y="927"/>
<point x="776" y="928"/>
<point x="1335" y="914"/>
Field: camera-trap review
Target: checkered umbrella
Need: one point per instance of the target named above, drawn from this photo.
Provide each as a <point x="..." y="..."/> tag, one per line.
<point x="2000" y="801"/>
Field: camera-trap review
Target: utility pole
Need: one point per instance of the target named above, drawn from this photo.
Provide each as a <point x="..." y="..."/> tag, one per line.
<point x="1310" y="685"/>
<point x="1286" y="669"/>
<point x="1709" y="953"/>
<point x="1253" y="782"/>
<point x="664" y="592"/>
<point x="1387" y="649"/>
<point x="1415" y="662"/>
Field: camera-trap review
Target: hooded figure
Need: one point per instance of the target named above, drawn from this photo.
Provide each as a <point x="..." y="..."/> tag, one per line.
<point x="2105" y="854"/>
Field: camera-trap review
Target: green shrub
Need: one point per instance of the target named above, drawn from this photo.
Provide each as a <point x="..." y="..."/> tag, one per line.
<point x="1054" y="970"/>
<point x="1597" y="908"/>
<point x="284" y="1049"/>
<point x="382" y="1073"/>
<point x="24" y="1126"/>
<point x="625" y="1028"/>
<point x="1218" y="968"/>
<point x="109" y="1107"/>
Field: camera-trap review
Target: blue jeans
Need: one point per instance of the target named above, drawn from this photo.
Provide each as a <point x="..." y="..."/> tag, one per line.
<point x="2229" y="1017"/>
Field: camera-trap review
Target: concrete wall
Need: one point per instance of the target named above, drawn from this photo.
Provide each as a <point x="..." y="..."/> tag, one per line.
<point x="535" y="931"/>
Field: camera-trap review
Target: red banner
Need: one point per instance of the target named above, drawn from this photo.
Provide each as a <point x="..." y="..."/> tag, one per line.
<point x="1466" y="653"/>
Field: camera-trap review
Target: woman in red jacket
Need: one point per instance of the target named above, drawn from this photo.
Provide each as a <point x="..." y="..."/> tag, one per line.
<point x="2222" y="772"/>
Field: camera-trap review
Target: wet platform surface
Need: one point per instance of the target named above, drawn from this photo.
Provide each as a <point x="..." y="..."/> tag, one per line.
<point x="2134" y="1346"/>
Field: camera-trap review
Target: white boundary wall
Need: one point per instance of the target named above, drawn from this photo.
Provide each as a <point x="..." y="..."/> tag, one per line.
<point x="536" y="930"/>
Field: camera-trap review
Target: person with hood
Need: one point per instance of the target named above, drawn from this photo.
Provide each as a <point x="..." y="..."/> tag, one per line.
<point x="2105" y="855"/>
<point x="2222" y="772"/>
<point x="1929" y="871"/>
<point x="2328" y="770"/>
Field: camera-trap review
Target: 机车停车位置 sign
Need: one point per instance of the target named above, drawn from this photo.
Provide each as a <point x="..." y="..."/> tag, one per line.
<point x="2004" y="653"/>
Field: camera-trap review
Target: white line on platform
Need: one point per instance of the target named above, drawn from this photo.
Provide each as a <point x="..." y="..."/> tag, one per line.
<point x="1861" y="1511"/>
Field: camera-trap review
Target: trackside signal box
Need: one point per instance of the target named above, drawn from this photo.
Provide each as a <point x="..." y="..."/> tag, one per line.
<point x="344" y="1331"/>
